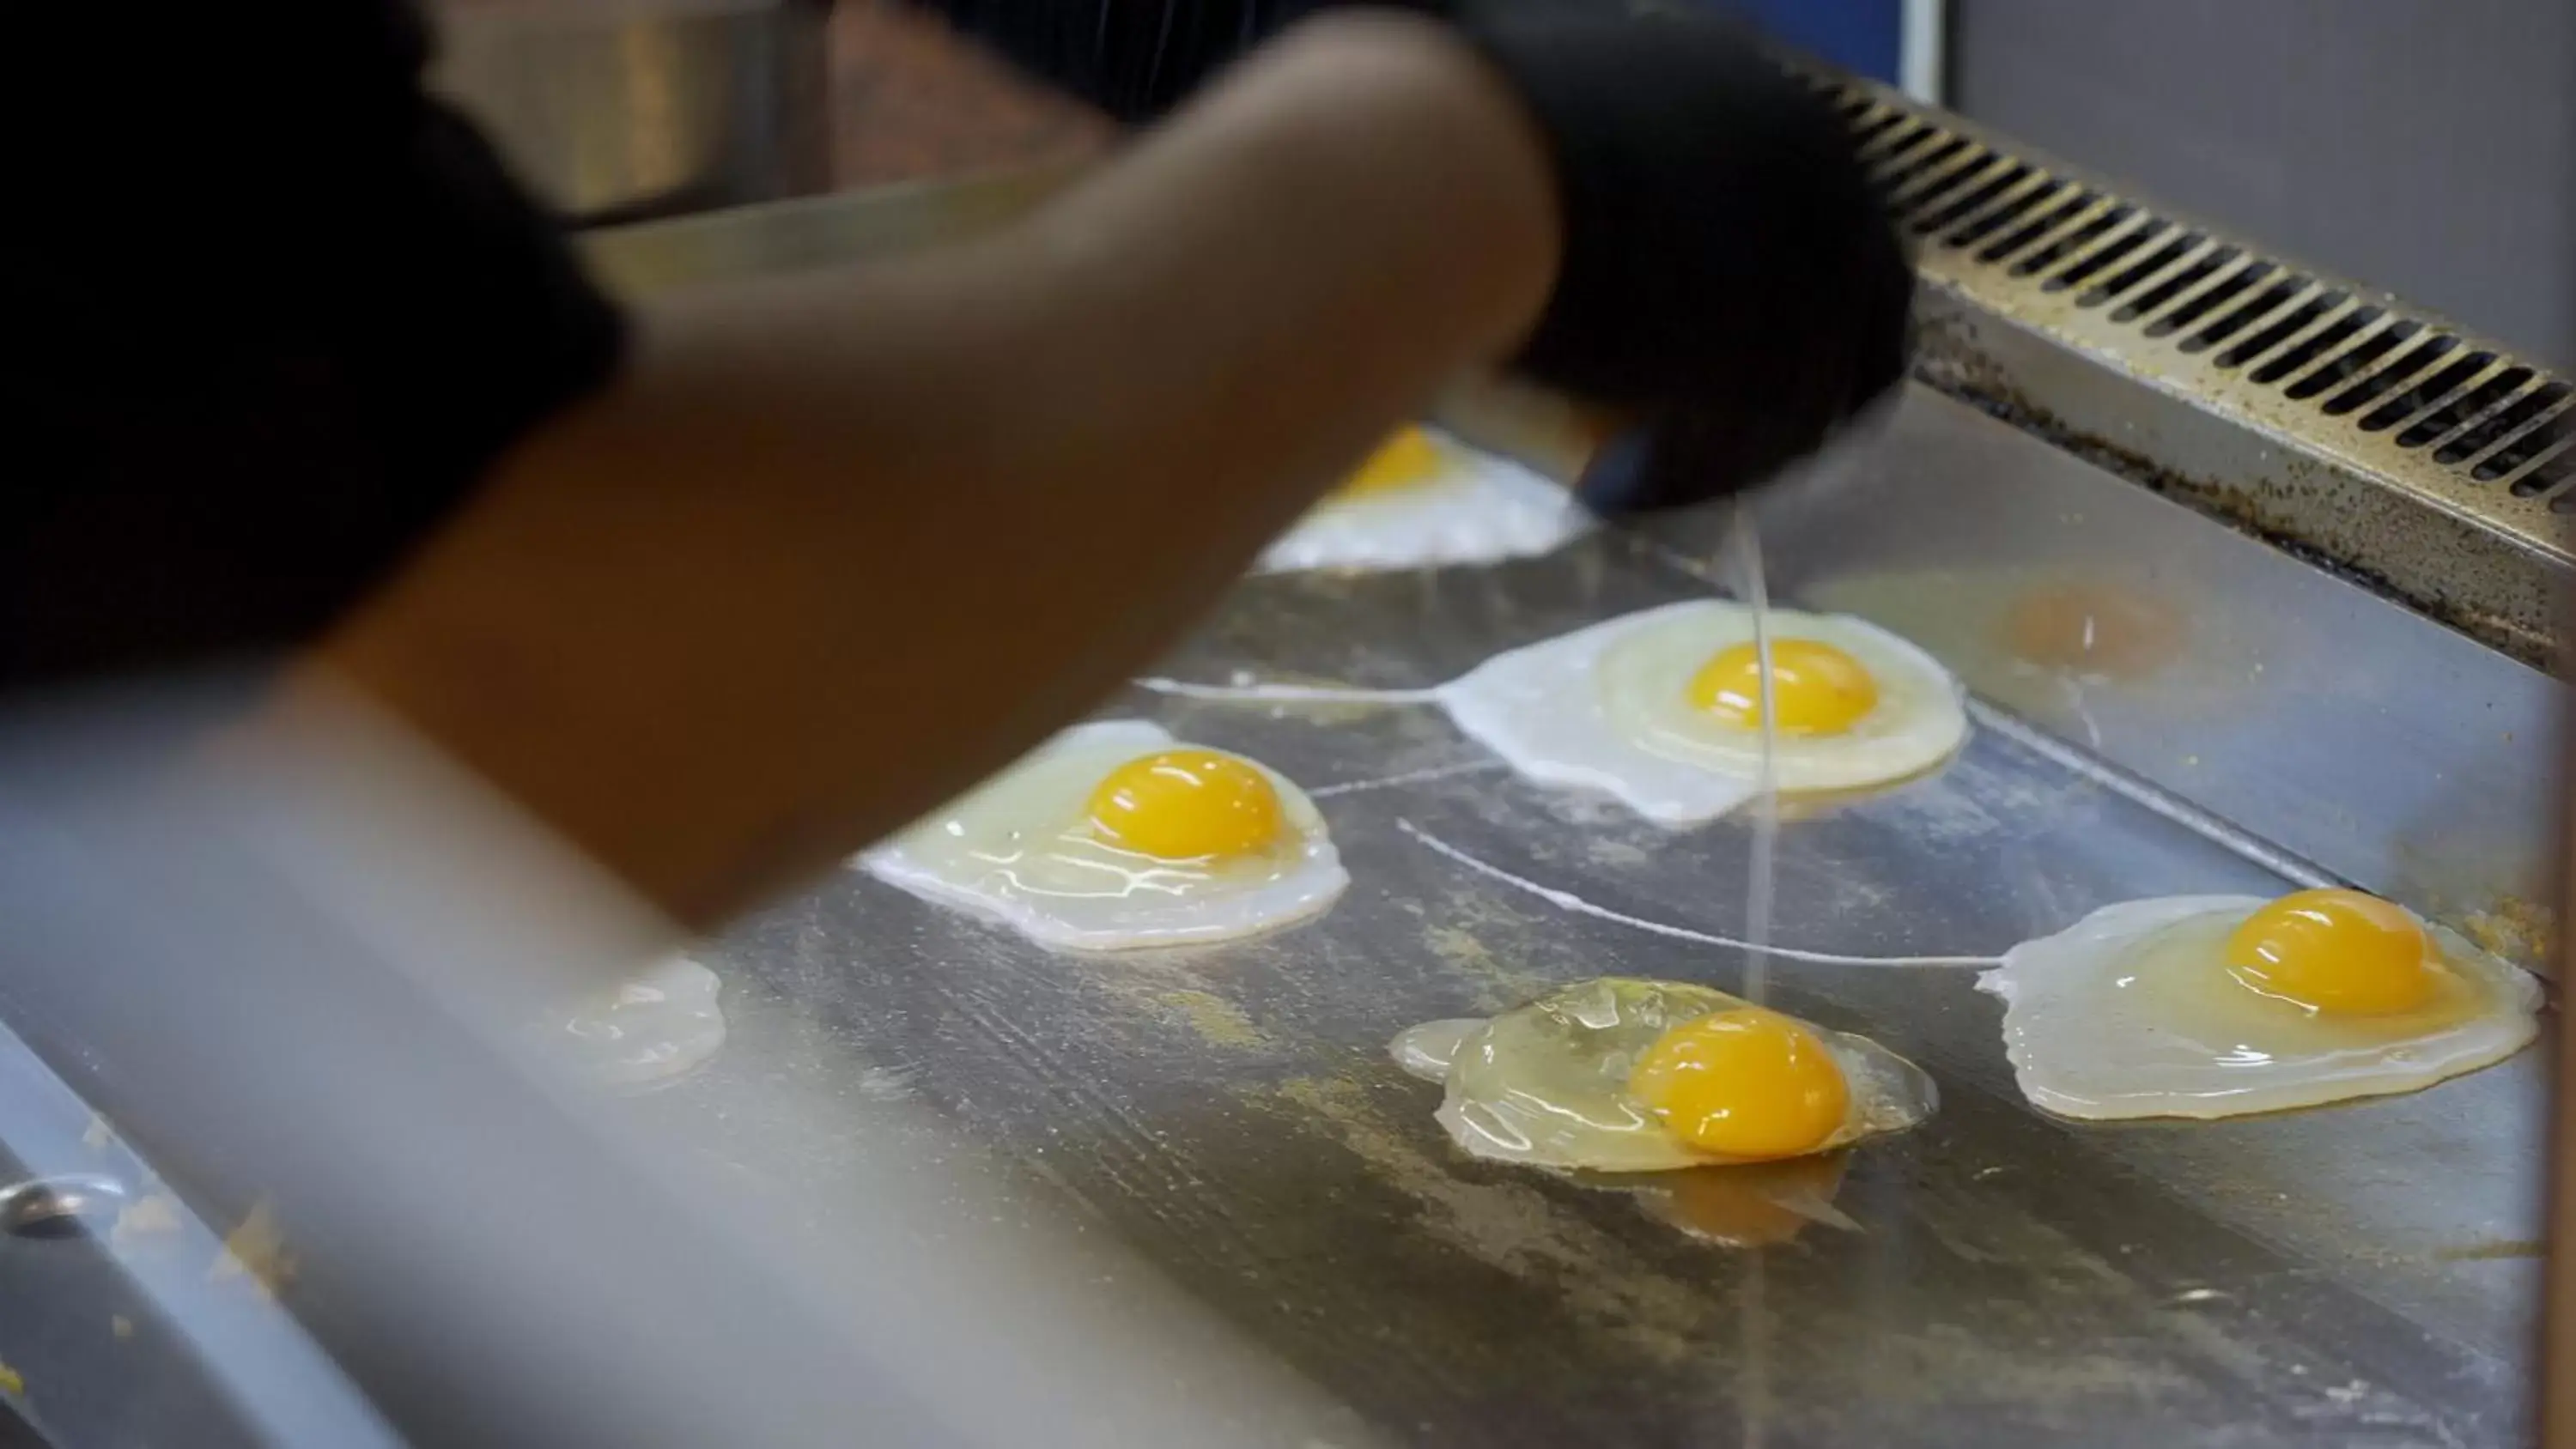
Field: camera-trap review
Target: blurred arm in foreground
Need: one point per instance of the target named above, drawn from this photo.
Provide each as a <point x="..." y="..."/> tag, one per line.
<point x="829" y="548"/>
<point x="716" y="593"/>
<point x="723" y="590"/>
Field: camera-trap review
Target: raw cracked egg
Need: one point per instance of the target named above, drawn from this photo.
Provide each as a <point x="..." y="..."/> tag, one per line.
<point x="1620" y="1074"/>
<point x="2213" y="1006"/>
<point x="1422" y="500"/>
<point x="1664" y="709"/>
<point x="1115" y="835"/>
<point x="651" y="1028"/>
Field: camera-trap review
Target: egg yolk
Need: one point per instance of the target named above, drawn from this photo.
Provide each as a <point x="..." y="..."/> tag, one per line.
<point x="1188" y="805"/>
<point x="1743" y="1083"/>
<point x="1405" y="459"/>
<point x="2334" y="951"/>
<point x="1821" y="690"/>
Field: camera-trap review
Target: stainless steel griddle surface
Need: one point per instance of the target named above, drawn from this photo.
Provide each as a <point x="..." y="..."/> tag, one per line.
<point x="2359" y="1275"/>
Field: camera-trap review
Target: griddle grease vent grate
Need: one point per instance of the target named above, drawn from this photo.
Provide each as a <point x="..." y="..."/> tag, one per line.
<point x="2351" y="357"/>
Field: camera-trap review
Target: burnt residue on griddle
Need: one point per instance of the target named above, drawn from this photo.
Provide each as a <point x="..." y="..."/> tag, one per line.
<point x="1961" y="374"/>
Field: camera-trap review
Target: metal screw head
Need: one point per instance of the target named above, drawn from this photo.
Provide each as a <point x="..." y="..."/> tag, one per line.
<point x="60" y="1206"/>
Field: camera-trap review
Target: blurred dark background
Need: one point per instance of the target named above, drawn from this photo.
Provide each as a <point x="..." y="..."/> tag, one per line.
<point x="2427" y="147"/>
<point x="2423" y="146"/>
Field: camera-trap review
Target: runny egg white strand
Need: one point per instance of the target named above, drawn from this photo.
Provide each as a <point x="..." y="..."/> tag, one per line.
<point x="1747" y="546"/>
<point x="1265" y="693"/>
<point x="1753" y="1400"/>
<point x="1615" y="708"/>
<point x="1568" y="901"/>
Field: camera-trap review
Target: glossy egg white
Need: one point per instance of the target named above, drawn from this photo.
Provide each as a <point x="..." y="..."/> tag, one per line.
<point x="2130" y="1013"/>
<point x="1020" y="849"/>
<point x="1546" y="1084"/>
<point x="1607" y="708"/>
<point x="652" y="1028"/>
<point x="1477" y="509"/>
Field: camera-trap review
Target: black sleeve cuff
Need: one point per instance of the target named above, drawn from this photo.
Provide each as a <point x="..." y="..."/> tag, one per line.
<point x="1134" y="59"/>
<point x="285" y="312"/>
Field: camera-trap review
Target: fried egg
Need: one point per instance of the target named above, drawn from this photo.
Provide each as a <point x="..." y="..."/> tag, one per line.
<point x="651" y="1028"/>
<point x="1619" y="1074"/>
<point x="2214" y="1006"/>
<point x="1422" y="500"/>
<point x="1114" y="835"/>
<point x="1663" y="709"/>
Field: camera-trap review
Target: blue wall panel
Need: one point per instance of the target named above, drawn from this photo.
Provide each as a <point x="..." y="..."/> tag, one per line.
<point x="1859" y="35"/>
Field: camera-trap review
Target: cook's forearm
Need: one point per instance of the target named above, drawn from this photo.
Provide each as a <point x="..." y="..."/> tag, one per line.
<point x="837" y="545"/>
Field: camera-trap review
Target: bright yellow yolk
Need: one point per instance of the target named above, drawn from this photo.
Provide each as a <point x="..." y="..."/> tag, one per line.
<point x="2335" y="951"/>
<point x="1745" y="1083"/>
<point x="1405" y="459"/>
<point x="1822" y="690"/>
<point x="1188" y="805"/>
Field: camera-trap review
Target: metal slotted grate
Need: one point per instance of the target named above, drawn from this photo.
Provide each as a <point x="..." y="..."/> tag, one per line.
<point x="2318" y="412"/>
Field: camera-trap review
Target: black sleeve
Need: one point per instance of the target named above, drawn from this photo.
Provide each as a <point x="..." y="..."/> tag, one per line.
<point x="1134" y="59"/>
<point x="272" y="313"/>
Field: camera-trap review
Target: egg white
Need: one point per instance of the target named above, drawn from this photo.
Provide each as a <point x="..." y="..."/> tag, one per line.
<point x="1606" y="708"/>
<point x="1477" y="509"/>
<point x="2092" y="1035"/>
<point x="1018" y="849"/>
<point x="650" y="1029"/>
<point x="1547" y="1083"/>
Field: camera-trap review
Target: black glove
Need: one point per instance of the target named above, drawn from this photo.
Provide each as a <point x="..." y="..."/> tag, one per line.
<point x="1134" y="59"/>
<point x="1728" y="279"/>
<point x="1729" y="276"/>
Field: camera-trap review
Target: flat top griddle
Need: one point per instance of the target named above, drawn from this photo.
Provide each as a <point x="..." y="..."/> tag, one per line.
<point x="1184" y="1196"/>
<point x="2362" y="1274"/>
